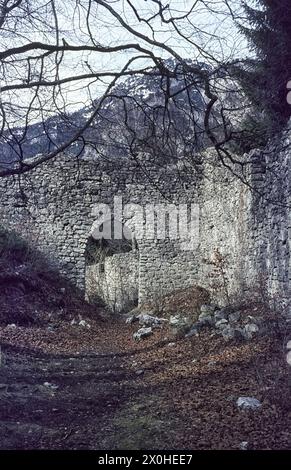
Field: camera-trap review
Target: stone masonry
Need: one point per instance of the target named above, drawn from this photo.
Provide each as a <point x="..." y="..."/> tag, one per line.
<point x="246" y="230"/>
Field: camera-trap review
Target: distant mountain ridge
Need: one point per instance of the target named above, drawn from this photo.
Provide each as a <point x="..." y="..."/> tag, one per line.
<point x="131" y="120"/>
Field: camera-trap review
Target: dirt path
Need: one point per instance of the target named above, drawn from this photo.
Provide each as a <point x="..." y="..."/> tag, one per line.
<point x="98" y="389"/>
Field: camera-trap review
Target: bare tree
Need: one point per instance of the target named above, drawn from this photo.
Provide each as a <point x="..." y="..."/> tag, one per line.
<point x="58" y="57"/>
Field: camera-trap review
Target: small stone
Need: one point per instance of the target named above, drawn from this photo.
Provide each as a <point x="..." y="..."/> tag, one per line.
<point x="84" y="324"/>
<point x="288" y="358"/>
<point x="142" y="333"/>
<point x="239" y="333"/>
<point x="228" y="333"/>
<point x="180" y="326"/>
<point x="225" y="311"/>
<point x="50" y="386"/>
<point x="193" y="332"/>
<point x="234" y="317"/>
<point x="205" y="320"/>
<point x="221" y="323"/>
<point x="131" y="319"/>
<point x="149" y="320"/>
<point x="244" y="445"/>
<point x="220" y="315"/>
<point x="178" y="320"/>
<point x="252" y="319"/>
<point x="248" y="403"/>
<point x="288" y="345"/>
<point x="230" y="398"/>
<point x="139" y="372"/>
<point x="171" y="344"/>
<point x="250" y="330"/>
<point x="207" y="309"/>
<point x="179" y="332"/>
<point x="203" y="315"/>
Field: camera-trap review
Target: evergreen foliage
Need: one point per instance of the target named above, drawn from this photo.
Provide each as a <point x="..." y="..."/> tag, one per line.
<point x="264" y="78"/>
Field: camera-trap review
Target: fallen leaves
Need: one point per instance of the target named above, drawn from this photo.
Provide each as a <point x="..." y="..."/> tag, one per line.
<point x="106" y="378"/>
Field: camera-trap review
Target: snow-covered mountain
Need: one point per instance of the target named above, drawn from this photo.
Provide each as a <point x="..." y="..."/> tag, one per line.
<point x="149" y="113"/>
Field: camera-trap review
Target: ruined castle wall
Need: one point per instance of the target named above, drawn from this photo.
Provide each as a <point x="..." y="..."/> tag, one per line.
<point x="115" y="280"/>
<point x="164" y="267"/>
<point x="249" y="226"/>
<point x="53" y="207"/>
<point x="271" y="211"/>
<point x="224" y="234"/>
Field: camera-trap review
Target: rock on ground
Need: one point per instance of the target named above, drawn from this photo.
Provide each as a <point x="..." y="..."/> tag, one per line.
<point x="248" y="403"/>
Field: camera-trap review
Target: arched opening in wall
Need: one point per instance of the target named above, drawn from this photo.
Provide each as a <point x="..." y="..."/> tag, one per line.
<point x="112" y="267"/>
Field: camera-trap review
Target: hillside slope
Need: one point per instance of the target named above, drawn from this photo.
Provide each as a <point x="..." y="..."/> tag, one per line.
<point x="31" y="291"/>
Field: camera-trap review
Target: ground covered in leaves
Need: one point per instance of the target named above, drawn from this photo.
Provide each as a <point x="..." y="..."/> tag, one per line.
<point x="67" y="386"/>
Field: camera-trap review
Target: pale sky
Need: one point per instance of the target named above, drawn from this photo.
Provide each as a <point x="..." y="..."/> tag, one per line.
<point x="214" y="31"/>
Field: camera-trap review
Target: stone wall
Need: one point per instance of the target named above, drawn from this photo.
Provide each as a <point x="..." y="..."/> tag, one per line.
<point x="224" y="234"/>
<point x="115" y="280"/>
<point x="271" y="229"/>
<point x="249" y="225"/>
<point x="53" y="207"/>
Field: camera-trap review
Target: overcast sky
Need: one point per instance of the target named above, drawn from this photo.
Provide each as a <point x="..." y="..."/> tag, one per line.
<point x="213" y="30"/>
